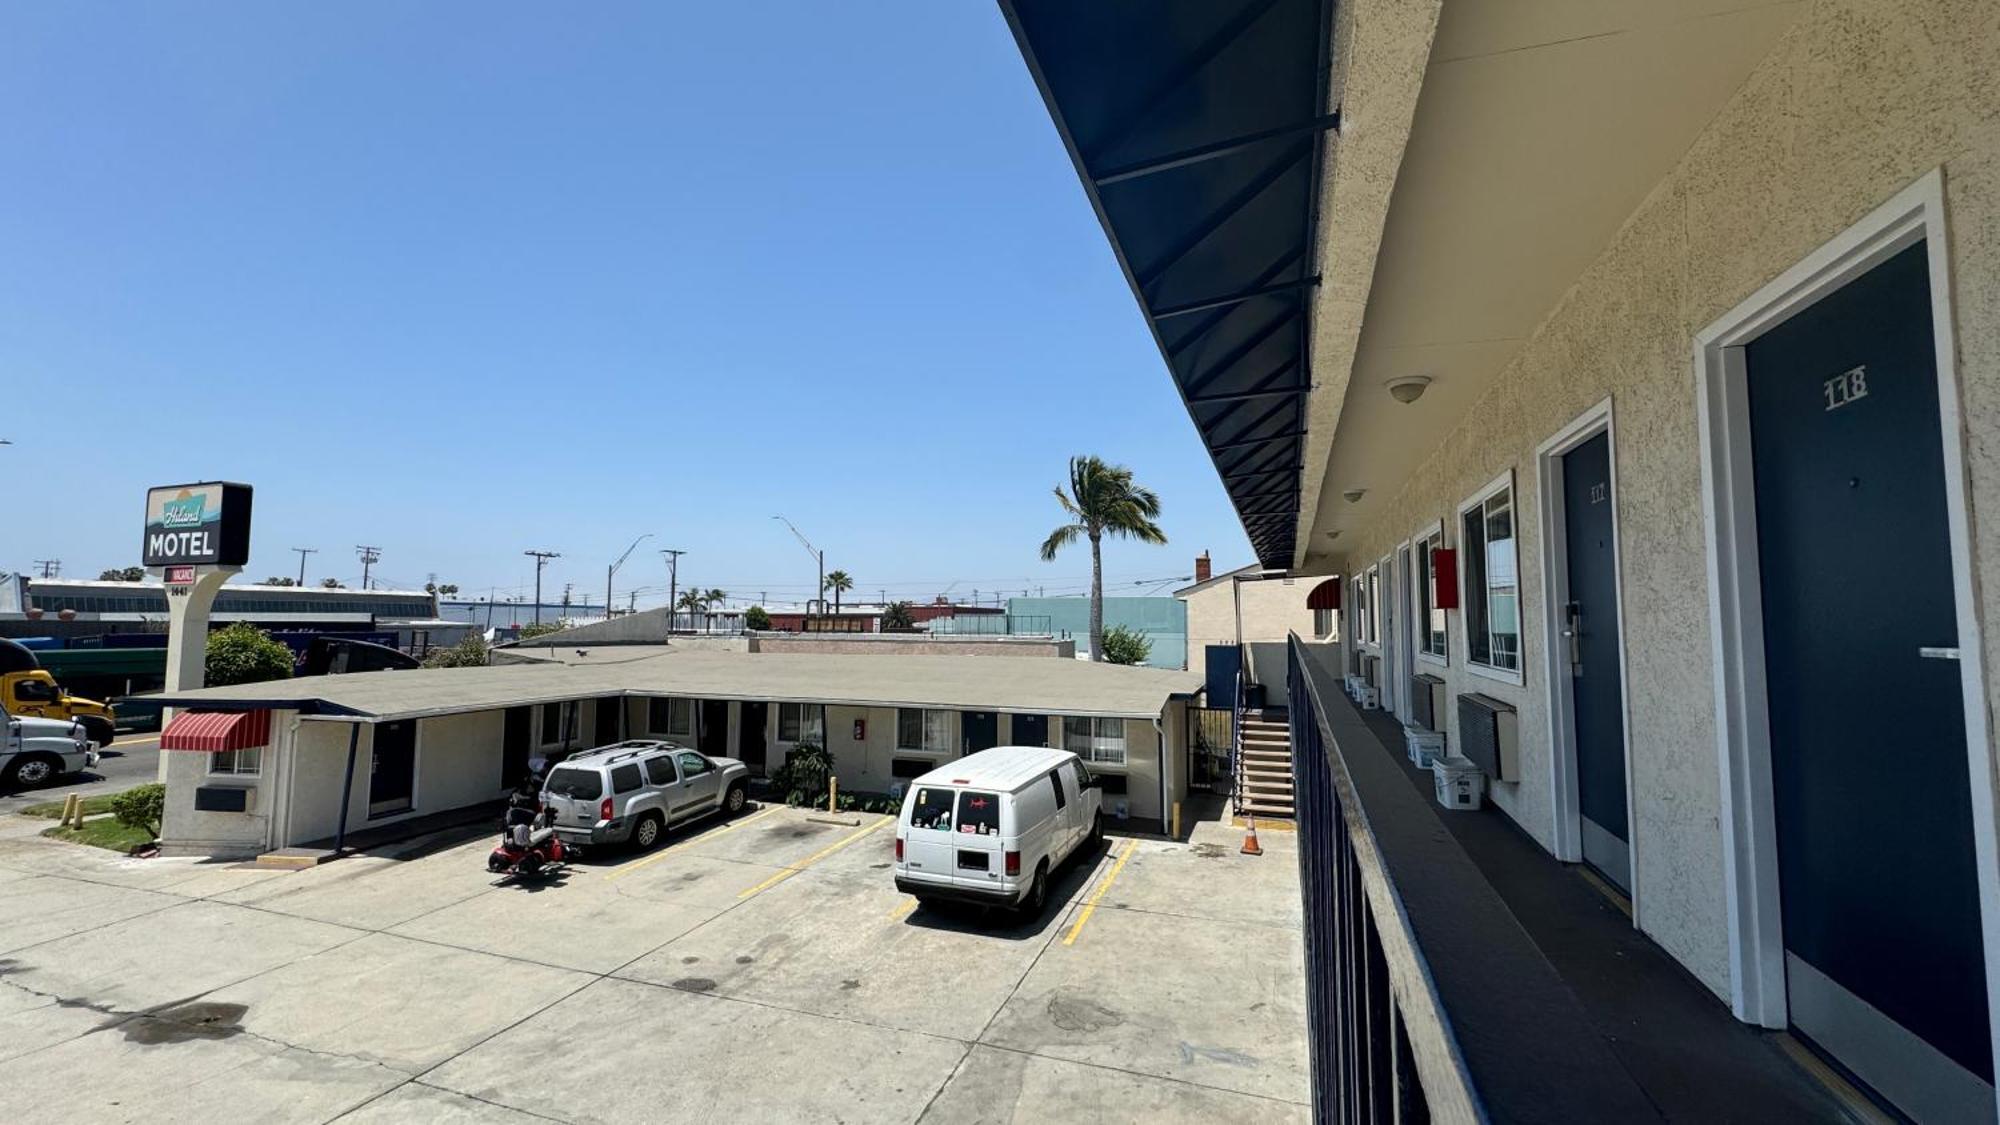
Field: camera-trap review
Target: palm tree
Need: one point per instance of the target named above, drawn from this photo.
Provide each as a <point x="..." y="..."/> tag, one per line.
<point x="691" y="602"/>
<point x="711" y="599"/>
<point x="838" y="582"/>
<point x="1101" y="499"/>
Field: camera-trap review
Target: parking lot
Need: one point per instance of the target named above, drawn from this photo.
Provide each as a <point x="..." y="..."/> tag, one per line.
<point x="760" y="969"/>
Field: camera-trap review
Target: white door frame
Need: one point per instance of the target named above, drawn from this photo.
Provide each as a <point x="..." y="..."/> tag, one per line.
<point x="1554" y="535"/>
<point x="1385" y="645"/>
<point x="1750" y="860"/>
<point x="1406" y="631"/>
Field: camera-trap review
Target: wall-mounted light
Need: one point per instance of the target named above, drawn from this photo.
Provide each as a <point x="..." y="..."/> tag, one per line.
<point x="1354" y="494"/>
<point x="1409" y="388"/>
<point x="1334" y="534"/>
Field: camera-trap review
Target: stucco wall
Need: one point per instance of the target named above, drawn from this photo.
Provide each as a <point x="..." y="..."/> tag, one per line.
<point x="185" y="831"/>
<point x="1273" y="608"/>
<point x="1859" y="99"/>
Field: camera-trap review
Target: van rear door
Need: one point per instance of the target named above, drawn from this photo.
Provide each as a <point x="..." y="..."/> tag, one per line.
<point x="979" y="850"/>
<point x="927" y="836"/>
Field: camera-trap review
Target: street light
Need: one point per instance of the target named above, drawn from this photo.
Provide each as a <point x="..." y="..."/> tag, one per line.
<point x="613" y="569"/>
<point x="816" y="553"/>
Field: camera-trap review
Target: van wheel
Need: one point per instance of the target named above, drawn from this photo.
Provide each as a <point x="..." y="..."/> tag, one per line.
<point x="734" y="801"/>
<point x="1038" y="892"/>
<point x="30" y="770"/>
<point x="646" y="833"/>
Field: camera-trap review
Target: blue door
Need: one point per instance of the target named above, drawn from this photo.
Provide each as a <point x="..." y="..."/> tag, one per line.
<point x="1870" y="783"/>
<point x="1590" y="627"/>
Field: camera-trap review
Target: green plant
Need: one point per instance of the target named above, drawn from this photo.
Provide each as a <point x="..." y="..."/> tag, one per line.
<point x="803" y="777"/>
<point x="541" y="629"/>
<point x="896" y="617"/>
<point x="141" y="807"/>
<point x="331" y="584"/>
<point x="472" y="652"/>
<point x="756" y="617"/>
<point x="124" y="574"/>
<point x="837" y="582"/>
<point x="245" y="654"/>
<point x="1102" y="499"/>
<point x="1126" y="646"/>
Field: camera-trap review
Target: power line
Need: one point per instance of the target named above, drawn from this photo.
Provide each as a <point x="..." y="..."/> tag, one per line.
<point x="303" y="552"/>
<point x="368" y="556"/>
<point x="541" y="560"/>
<point x="50" y="567"/>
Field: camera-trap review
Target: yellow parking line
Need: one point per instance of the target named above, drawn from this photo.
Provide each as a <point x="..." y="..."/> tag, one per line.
<point x="1090" y="905"/>
<point x="620" y="872"/>
<point x="812" y="859"/>
<point x="902" y="909"/>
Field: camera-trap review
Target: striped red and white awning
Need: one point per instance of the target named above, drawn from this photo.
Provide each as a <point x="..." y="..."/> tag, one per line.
<point x="1326" y="595"/>
<point x="216" y="731"/>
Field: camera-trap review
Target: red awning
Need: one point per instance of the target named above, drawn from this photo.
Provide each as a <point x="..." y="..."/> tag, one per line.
<point x="216" y="731"/>
<point x="1326" y="595"/>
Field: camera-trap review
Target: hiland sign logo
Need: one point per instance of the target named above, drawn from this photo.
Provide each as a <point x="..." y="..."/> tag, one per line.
<point x="185" y="510"/>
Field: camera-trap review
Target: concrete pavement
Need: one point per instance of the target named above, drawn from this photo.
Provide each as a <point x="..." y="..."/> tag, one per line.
<point x="763" y="969"/>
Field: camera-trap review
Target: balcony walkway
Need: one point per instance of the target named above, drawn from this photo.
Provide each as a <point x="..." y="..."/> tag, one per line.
<point x="1676" y="1040"/>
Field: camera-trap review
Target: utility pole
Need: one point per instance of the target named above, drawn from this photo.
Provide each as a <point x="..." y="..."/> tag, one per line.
<point x="673" y="558"/>
<point x="816" y="553"/>
<point x="541" y="560"/>
<point x="303" y="552"/>
<point x="50" y="567"/>
<point x="369" y="556"/>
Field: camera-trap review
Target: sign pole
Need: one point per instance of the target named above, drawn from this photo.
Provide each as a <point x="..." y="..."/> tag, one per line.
<point x="196" y="536"/>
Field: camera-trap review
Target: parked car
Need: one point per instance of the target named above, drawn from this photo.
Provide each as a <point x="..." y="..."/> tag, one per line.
<point x="633" y="791"/>
<point x="992" y="827"/>
<point x="36" y="751"/>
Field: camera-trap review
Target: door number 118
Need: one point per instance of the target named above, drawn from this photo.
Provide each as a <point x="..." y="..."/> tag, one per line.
<point x="1846" y="387"/>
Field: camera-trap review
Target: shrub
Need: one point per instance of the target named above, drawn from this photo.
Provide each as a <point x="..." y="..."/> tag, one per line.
<point x="541" y="629"/>
<point x="802" y="779"/>
<point x="756" y="617"/>
<point x="1126" y="646"/>
<point x="472" y="652"/>
<point x="141" y="807"/>
<point x="245" y="654"/>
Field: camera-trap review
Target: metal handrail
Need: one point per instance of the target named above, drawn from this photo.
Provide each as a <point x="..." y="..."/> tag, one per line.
<point x="1236" y="735"/>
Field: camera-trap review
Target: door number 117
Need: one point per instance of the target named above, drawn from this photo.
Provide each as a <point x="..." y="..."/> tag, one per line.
<point x="1846" y="387"/>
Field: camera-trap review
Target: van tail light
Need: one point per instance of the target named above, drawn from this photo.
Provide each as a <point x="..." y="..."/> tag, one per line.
<point x="899" y="849"/>
<point x="604" y="809"/>
<point x="1013" y="863"/>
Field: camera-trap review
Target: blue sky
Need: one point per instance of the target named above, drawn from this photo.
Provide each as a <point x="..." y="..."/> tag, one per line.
<point x="459" y="280"/>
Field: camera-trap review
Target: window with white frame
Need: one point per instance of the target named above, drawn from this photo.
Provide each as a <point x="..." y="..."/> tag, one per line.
<point x="1360" y="601"/>
<point x="1375" y="605"/>
<point x="1098" y="741"/>
<point x="247" y="762"/>
<point x="800" y="722"/>
<point x="920" y="729"/>
<point x="1492" y="580"/>
<point x="670" y="716"/>
<point x="1326" y="625"/>
<point x="1430" y="619"/>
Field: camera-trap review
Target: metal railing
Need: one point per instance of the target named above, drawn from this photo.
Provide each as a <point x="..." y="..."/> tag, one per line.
<point x="1426" y="1000"/>
<point x="1236" y="735"/>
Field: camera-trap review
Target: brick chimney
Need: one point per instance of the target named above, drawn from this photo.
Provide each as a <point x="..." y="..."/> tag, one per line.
<point x="1201" y="567"/>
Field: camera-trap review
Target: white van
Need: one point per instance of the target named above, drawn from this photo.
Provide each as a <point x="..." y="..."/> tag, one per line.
<point x="991" y="827"/>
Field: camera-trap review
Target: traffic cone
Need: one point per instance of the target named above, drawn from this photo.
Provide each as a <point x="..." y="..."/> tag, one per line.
<point x="1250" y="844"/>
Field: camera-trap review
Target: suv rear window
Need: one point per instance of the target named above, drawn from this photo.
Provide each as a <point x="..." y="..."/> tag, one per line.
<point x="979" y="813"/>
<point x="580" y="785"/>
<point x="625" y="778"/>
<point x="932" y="809"/>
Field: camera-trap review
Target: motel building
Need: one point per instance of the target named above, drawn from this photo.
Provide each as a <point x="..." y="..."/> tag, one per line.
<point x="305" y="763"/>
<point x="1625" y="378"/>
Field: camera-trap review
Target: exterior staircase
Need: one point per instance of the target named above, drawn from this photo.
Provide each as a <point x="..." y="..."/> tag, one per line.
<point x="1264" y="767"/>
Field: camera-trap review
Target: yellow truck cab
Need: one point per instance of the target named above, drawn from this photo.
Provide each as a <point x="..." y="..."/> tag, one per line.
<point x="27" y="689"/>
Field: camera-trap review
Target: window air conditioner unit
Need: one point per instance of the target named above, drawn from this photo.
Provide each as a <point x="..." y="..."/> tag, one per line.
<point x="1489" y="733"/>
<point x="1427" y="701"/>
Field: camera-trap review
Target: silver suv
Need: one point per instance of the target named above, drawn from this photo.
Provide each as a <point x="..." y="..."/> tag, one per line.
<point x="631" y="791"/>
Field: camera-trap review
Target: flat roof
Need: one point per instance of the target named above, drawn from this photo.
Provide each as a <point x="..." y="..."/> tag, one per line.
<point x="1051" y="686"/>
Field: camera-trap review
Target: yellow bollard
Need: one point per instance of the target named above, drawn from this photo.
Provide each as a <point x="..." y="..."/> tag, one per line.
<point x="1177" y="820"/>
<point x="832" y="794"/>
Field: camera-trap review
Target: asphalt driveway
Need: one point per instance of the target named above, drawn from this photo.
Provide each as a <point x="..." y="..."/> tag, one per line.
<point x="763" y="969"/>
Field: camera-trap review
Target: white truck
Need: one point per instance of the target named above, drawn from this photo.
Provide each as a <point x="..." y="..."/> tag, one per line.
<point x="34" y="751"/>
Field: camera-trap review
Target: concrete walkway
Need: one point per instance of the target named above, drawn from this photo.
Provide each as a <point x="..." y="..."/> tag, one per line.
<point x="763" y="969"/>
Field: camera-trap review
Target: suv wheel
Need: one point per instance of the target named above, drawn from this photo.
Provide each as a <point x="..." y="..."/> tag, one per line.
<point x="30" y="770"/>
<point x="646" y="833"/>
<point x="734" y="801"/>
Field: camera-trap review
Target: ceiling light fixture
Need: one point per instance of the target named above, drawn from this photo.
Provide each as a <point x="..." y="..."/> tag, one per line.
<point x="1354" y="494"/>
<point x="1409" y="388"/>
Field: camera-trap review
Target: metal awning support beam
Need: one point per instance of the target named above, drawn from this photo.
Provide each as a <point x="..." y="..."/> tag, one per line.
<point x="1188" y="66"/>
<point x="1215" y="219"/>
<point x="1253" y="474"/>
<point x="1200" y="153"/>
<point x="1245" y="443"/>
<point x="1241" y="396"/>
<point x="1235" y="298"/>
<point x="1237" y="354"/>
